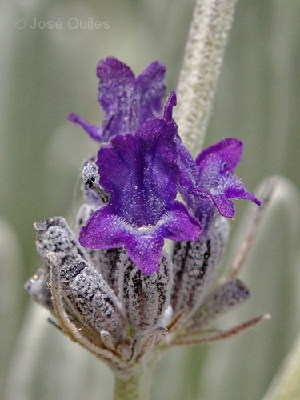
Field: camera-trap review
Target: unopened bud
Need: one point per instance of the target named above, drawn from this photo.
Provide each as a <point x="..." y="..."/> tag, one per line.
<point x="145" y="297"/>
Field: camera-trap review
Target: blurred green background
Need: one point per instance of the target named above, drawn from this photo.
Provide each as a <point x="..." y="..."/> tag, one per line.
<point x="46" y="74"/>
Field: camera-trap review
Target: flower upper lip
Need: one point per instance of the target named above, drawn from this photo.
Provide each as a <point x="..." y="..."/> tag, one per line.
<point x="127" y="102"/>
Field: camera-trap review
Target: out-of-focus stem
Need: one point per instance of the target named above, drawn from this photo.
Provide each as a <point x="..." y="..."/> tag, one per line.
<point x="286" y="385"/>
<point x="135" y="386"/>
<point x="201" y="67"/>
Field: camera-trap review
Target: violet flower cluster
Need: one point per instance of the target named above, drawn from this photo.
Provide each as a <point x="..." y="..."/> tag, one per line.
<point x="143" y="166"/>
<point x="116" y="290"/>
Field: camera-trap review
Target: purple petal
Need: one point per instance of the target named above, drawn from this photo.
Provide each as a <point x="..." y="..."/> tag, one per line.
<point x="116" y="97"/>
<point x="145" y="252"/>
<point x="189" y="171"/>
<point x="179" y="225"/>
<point x="150" y="89"/>
<point x="140" y="172"/>
<point x="211" y="177"/>
<point x="224" y="155"/>
<point x="127" y="102"/>
<point x="104" y="230"/>
<point x="235" y="190"/>
<point x="93" y="131"/>
<point x="144" y="244"/>
<point x="216" y="166"/>
<point x="170" y="103"/>
<point x="116" y="80"/>
<point x="228" y="187"/>
<point x="224" y="205"/>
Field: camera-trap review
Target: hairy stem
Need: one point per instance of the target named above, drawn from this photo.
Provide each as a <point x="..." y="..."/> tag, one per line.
<point x="201" y="67"/>
<point x="135" y="386"/>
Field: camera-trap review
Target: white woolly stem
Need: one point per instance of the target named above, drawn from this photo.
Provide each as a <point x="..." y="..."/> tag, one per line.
<point x="135" y="386"/>
<point x="200" y="69"/>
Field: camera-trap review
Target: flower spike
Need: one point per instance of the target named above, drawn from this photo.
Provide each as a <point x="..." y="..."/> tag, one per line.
<point x="117" y="291"/>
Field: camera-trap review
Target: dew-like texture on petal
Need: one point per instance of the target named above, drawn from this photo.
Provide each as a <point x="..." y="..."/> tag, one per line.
<point x="126" y="101"/>
<point x="140" y="173"/>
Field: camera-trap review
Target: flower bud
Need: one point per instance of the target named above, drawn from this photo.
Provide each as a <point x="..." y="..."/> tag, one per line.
<point x="221" y="300"/>
<point x="90" y="298"/>
<point x="196" y="264"/>
<point x="55" y="236"/>
<point x="145" y="297"/>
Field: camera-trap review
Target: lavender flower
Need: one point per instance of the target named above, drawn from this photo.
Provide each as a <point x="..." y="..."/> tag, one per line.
<point x="116" y="291"/>
<point x="127" y="102"/>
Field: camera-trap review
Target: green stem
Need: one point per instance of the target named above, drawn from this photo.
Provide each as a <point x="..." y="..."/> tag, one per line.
<point x="135" y="386"/>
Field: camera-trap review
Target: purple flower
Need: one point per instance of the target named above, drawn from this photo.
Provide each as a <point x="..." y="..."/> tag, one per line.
<point x="127" y="101"/>
<point x="209" y="185"/>
<point x="141" y="174"/>
<point x="145" y="164"/>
